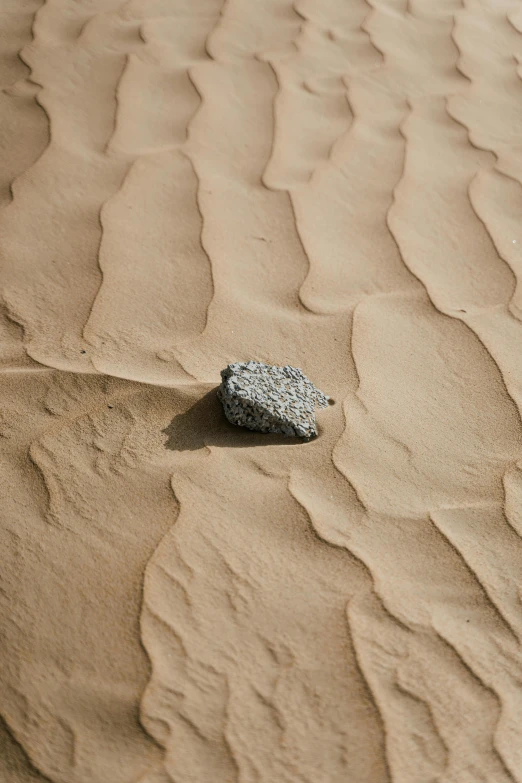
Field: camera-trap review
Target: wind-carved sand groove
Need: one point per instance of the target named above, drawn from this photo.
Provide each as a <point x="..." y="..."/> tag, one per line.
<point x="403" y="453"/>
<point x="59" y="699"/>
<point x="311" y="89"/>
<point x="214" y="685"/>
<point x="241" y="218"/>
<point x="141" y="344"/>
<point x="162" y="184"/>
<point x="21" y="115"/>
<point x="19" y="109"/>
<point x="64" y="189"/>
<point x="333" y="185"/>
<point x="369" y="421"/>
<point x="490" y="758"/>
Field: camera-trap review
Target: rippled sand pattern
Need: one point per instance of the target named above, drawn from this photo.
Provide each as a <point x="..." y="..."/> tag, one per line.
<point x="334" y="185"/>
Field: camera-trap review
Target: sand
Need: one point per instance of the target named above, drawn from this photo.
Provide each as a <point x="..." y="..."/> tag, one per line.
<point x="332" y="185"/>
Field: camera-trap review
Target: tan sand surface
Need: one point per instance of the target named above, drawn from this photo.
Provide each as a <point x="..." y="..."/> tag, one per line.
<point x="331" y="184"/>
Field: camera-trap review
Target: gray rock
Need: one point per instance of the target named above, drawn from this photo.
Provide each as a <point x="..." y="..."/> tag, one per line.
<point x="270" y="399"/>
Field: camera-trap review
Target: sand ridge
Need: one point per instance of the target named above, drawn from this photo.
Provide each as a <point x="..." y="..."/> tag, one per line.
<point x="335" y="186"/>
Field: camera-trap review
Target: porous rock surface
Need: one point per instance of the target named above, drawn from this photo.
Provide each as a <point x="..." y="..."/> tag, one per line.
<point x="266" y="398"/>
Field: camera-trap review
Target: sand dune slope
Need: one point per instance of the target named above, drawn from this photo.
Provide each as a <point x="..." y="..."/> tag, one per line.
<point x="333" y="185"/>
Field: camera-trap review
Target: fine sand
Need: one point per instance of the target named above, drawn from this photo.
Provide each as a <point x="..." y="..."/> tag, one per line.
<point x="330" y="184"/>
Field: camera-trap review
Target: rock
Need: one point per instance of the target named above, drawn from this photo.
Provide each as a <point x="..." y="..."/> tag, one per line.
<point x="270" y="399"/>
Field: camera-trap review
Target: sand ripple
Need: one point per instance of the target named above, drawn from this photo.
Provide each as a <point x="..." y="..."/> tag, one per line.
<point x="332" y="185"/>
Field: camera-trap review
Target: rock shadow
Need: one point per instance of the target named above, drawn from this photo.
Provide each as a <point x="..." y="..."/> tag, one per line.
<point x="205" y="424"/>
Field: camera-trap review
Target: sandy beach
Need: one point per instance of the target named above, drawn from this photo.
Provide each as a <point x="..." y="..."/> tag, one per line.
<point x="329" y="184"/>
